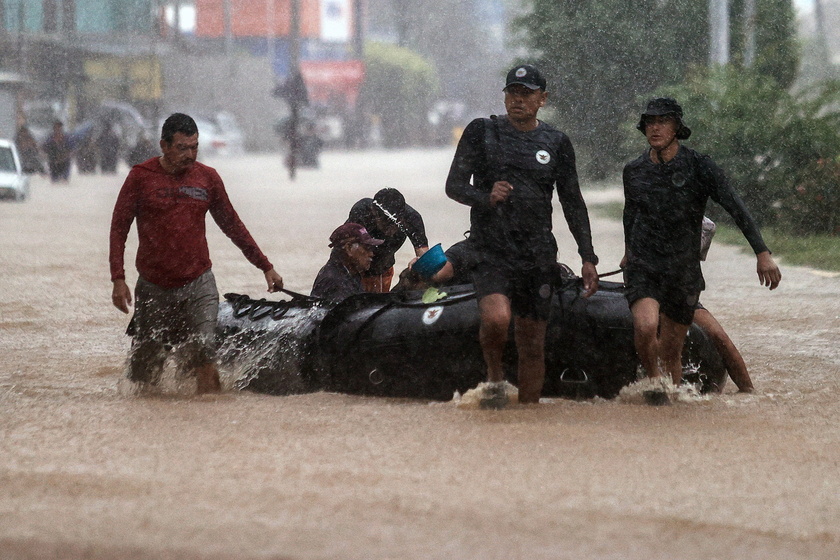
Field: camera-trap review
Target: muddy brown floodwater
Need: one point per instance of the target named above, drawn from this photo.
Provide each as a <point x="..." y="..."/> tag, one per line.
<point x="88" y="471"/>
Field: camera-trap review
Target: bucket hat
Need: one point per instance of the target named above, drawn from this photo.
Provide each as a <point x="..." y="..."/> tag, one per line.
<point x="661" y="106"/>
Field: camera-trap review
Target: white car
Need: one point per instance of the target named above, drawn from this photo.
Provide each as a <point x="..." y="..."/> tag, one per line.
<point x="14" y="183"/>
<point x="219" y="135"/>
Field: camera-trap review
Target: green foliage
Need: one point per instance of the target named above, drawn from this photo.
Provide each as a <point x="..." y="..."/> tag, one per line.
<point x="602" y="56"/>
<point x="776" y="47"/>
<point x="818" y="250"/>
<point x="780" y="150"/>
<point x="598" y="58"/>
<point x="400" y="87"/>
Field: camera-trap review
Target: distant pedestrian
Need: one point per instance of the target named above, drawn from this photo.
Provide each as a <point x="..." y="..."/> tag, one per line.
<point x="142" y="150"/>
<point x="86" y="157"/>
<point x="108" y="145"/>
<point x="30" y="154"/>
<point x="58" y="151"/>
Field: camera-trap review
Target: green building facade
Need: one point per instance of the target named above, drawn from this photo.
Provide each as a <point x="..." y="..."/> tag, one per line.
<point x="79" y="16"/>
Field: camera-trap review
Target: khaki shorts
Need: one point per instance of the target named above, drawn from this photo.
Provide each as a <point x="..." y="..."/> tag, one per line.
<point x="182" y="318"/>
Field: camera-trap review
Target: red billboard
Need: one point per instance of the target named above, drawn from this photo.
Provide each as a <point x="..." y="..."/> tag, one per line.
<point x="331" y="81"/>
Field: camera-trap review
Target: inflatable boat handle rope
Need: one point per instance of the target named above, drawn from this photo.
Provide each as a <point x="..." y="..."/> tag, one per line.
<point x="604" y="275"/>
<point x="296" y="295"/>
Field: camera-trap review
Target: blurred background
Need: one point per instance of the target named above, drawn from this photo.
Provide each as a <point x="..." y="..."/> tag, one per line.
<point x="757" y="79"/>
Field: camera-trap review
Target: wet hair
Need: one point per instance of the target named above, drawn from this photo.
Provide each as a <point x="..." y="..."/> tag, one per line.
<point x="177" y="122"/>
<point x="390" y="200"/>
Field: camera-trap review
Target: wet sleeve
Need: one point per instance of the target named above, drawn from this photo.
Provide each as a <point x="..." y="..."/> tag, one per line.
<point x="469" y="156"/>
<point x="125" y="210"/>
<point x="574" y="207"/>
<point x="416" y="228"/>
<point x="630" y="208"/>
<point x="228" y="220"/>
<point x="723" y="193"/>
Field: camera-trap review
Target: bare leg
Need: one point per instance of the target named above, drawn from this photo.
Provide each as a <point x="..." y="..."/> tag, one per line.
<point x="645" y="334"/>
<point x="530" y="345"/>
<point x="671" y="340"/>
<point x="493" y="333"/>
<point x="207" y="379"/>
<point x="732" y="359"/>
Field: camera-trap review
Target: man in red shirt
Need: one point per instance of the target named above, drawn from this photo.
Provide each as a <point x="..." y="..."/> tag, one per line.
<point x="176" y="297"/>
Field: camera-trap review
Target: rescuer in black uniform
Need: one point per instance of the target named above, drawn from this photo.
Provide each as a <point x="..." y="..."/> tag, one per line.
<point x="666" y="190"/>
<point x="516" y="162"/>
<point x="387" y="216"/>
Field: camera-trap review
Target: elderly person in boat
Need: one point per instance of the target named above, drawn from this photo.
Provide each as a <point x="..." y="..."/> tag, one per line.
<point x="352" y="253"/>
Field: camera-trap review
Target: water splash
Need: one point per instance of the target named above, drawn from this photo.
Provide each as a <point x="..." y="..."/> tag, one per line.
<point x="270" y="352"/>
<point x="684" y="393"/>
<point x="472" y="398"/>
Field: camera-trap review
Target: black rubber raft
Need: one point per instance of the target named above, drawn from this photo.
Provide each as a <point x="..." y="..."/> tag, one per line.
<point x="394" y="345"/>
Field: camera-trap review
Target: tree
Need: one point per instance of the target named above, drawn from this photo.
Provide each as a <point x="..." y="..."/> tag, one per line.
<point x="776" y="47"/>
<point x="400" y="87"/>
<point x="780" y="150"/>
<point x="603" y="57"/>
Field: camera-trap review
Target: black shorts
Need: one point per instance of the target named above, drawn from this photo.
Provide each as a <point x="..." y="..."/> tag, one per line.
<point x="676" y="300"/>
<point x="529" y="290"/>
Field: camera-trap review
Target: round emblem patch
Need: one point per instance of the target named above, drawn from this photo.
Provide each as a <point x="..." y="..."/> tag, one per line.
<point x="432" y="314"/>
<point x="545" y="291"/>
<point x="543" y="157"/>
<point x="520" y="72"/>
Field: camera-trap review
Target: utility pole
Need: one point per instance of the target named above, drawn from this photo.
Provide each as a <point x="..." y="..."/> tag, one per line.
<point x="358" y="29"/>
<point x="228" y="23"/>
<point x="718" y="32"/>
<point x="824" y="55"/>
<point x="176" y="21"/>
<point x="749" y="33"/>
<point x="294" y="77"/>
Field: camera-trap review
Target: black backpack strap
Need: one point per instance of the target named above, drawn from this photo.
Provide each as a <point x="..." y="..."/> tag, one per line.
<point x="493" y="147"/>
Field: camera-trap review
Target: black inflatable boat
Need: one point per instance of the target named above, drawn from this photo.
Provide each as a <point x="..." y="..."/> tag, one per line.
<point x="395" y="345"/>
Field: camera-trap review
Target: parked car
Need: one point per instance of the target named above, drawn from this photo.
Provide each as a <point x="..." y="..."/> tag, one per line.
<point x="14" y="183"/>
<point x="219" y="134"/>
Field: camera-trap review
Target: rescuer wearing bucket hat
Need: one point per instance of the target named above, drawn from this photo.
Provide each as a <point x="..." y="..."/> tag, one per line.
<point x="388" y="217"/>
<point x="352" y="252"/>
<point x="506" y="170"/>
<point x="666" y="190"/>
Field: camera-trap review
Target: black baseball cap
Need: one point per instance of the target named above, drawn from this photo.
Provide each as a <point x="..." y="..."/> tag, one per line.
<point x="526" y="75"/>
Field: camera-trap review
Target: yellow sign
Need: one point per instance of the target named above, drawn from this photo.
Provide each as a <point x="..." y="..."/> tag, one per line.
<point x="133" y="79"/>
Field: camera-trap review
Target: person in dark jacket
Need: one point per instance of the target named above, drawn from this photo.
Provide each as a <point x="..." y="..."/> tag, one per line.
<point x="59" y="153"/>
<point x="666" y="190"/>
<point x="30" y="153"/>
<point x="351" y="255"/>
<point x="387" y="216"/>
<point x="515" y="163"/>
<point x="108" y="145"/>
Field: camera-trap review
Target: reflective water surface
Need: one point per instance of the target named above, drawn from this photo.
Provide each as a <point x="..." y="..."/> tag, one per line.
<point x="88" y="470"/>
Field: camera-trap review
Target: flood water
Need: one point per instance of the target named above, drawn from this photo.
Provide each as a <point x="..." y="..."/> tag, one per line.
<point x="89" y="471"/>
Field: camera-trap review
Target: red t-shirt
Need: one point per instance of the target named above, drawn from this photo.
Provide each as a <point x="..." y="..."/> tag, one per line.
<point x="170" y="212"/>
